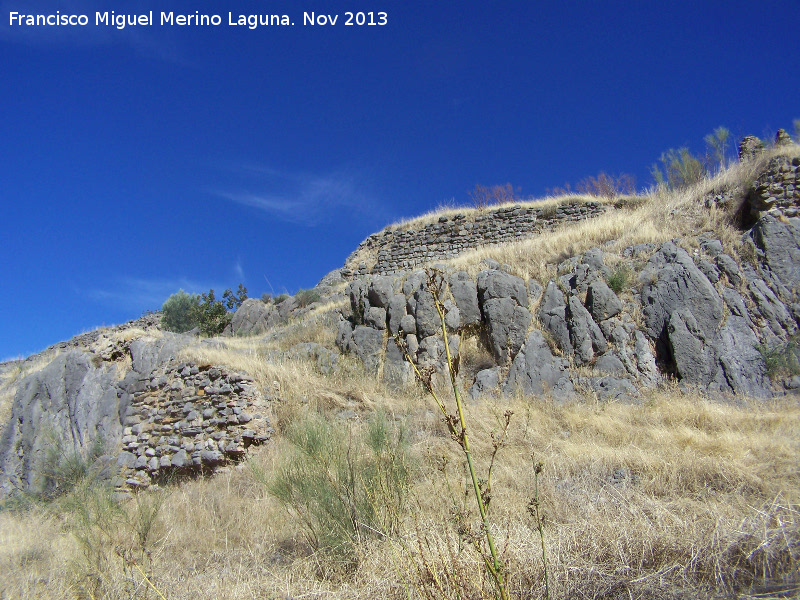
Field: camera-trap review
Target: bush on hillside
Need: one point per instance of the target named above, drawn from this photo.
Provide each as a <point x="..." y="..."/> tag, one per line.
<point x="180" y="312"/>
<point x="214" y="315"/>
<point x="183" y="312"/>
<point x="344" y="486"/>
<point x="306" y="297"/>
<point x="607" y="186"/>
<point x="681" y="169"/>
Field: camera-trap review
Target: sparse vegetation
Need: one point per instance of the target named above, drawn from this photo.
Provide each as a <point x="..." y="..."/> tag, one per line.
<point x="483" y="196"/>
<point x="782" y="359"/>
<point x="481" y="538"/>
<point x="675" y="497"/>
<point x="620" y="278"/>
<point x="306" y="297"/>
<point x="343" y="484"/>
<point x="717" y="144"/>
<point x="681" y="169"/>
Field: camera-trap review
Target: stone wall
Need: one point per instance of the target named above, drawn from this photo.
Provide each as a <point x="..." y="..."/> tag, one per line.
<point x="190" y="419"/>
<point x="394" y="250"/>
<point x="778" y="187"/>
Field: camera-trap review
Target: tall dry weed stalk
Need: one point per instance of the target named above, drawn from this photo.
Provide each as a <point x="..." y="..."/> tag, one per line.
<point x="457" y="426"/>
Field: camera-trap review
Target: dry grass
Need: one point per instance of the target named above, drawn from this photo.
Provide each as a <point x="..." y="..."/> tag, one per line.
<point x="708" y="503"/>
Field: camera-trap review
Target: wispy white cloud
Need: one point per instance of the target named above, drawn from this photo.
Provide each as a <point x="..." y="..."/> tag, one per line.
<point x="130" y="293"/>
<point x="237" y="268"/>
<point x="304" y="198"/>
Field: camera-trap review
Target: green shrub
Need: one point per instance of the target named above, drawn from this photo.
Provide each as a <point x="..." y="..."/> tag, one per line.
<point x="180" y="312"/>
<point x="183" y="312"/>
<point x="341" y="485"/>
<point x="620" y="279"/>
<point x="681" y="169"/>
<point x="280" y="298"/>
<point x="306" y="297"/>
<point x="64" y="468"/>
<point x="782" y="359"/>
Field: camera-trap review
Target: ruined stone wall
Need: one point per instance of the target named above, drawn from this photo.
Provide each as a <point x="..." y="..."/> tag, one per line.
<point x="191" y="419"/>
<point x="393" y="250"/>
<point x="778" y="187"/>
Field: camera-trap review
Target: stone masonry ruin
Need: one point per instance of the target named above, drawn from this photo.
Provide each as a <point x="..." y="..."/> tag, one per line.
<point x="393" y="249"/>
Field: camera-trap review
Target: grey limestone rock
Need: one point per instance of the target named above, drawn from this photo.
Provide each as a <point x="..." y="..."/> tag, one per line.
<point x="344" y="335"/>
<point x="741" y="368"/>
<point x="452" y="316"/>
<point x="778" y="247"/>
<point x="677" y="283"/>
<point x="690" y="348"/>
<point x="535" y="290"/>
<point x="375" y="317"/>
<point x="253" y="317"/>
<point x="536" y="371"/>
<point x="552" y="313"/>
<point x="287" y="306"/>
<point x="728" y="266"/>
<point x="610" y="364"/>
<point x="396" y="370"/>
<point x="68" y="405"/>
<point x="397" y="310"/>
<point x="498" y="284"/>
<point x="326" y="361"/>
<point x="601" y="301"/>
<point x="368" y="345"/>
<point x="465" y="293"/>
<point x="610" y="388"/>
<point x="359" y="303"/>
<point x="408" y="324"/>
<point x="425" y="313"/>
<point x="147" y="354"/>
<point x="507" y="324"/>
<point x="645" y="359"/>
<point x="585" y="335"/>
<point x="486" y="382"/>
<point x="381" y="290"/>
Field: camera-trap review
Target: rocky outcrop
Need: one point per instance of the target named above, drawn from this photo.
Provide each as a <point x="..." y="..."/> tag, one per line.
<point x="700" y="317"/>
<point x="67" y="407"/>
<point x="160" y="418"/>
<point x="254" y="317"/>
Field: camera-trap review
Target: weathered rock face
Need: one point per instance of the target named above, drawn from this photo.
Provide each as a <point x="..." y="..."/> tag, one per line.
<point x="65" y="407"/>
<point x="702" y="318"/>
<point x="161" y="418"/>
<point x="254" y="317"/>
<point x="536" y="371"/>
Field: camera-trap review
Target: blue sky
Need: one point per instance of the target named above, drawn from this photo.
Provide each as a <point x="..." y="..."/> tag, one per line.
<point x="137" y="161"/>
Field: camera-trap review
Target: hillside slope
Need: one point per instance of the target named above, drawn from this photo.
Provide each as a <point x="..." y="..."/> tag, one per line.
<point x="648" y="345"/>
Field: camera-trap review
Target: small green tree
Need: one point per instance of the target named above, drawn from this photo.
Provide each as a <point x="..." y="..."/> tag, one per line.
<point x="180" y="312"/>
<point x="681" y="169"/>
<point x="717" y="143"/>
